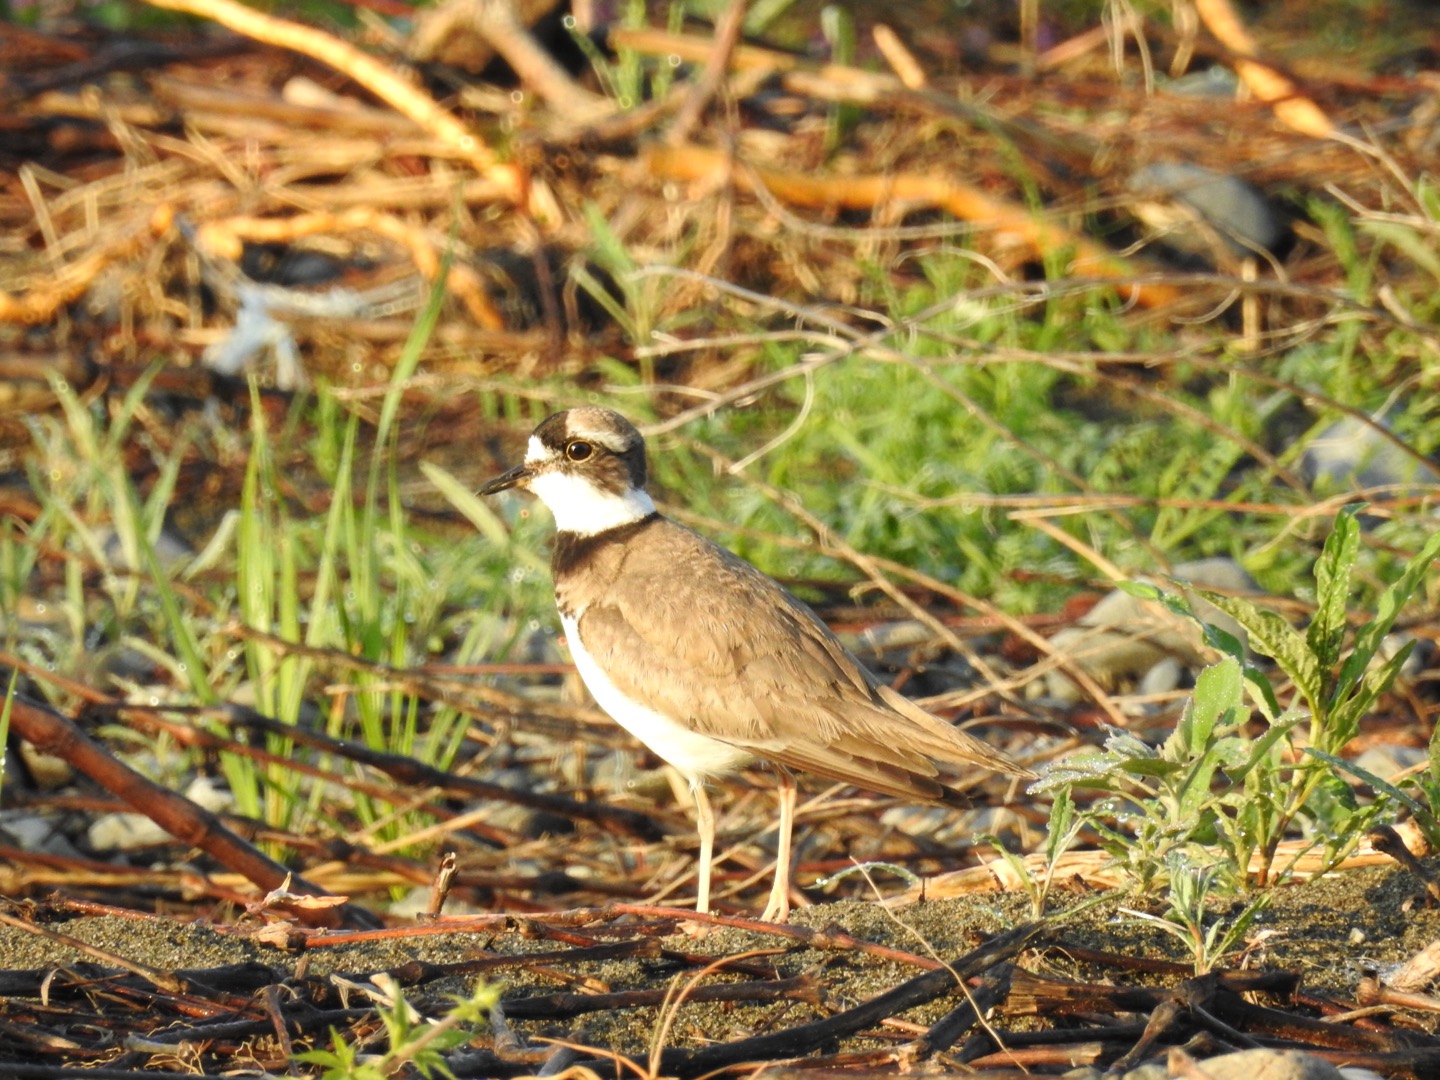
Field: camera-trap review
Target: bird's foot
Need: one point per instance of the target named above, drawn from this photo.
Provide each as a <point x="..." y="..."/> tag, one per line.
<point x="778" y="909"/>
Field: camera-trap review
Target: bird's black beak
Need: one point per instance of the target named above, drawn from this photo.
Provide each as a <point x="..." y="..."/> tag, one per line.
<point x="519" y="476"/>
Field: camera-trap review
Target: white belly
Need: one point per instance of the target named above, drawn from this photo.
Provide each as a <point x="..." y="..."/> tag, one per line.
<point x="695" y="755"/>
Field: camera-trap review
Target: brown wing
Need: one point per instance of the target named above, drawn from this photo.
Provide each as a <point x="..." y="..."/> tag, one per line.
<point x="761" y="671"/>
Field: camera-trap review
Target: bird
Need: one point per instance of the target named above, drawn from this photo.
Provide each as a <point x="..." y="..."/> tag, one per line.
<point x="707" y="660"/>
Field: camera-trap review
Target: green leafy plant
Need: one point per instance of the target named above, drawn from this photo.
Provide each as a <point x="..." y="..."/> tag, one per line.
<point x="1336" y="688"/>
<point x="1426" y="785"/>
<point x="419" y="1046"/>
<point x="1065" y="825"/>
<point x="1190" y="891"/>
<point x="1165" y="803"/>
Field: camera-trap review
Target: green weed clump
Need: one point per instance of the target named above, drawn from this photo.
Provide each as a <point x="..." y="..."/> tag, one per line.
<point x="1205" y="811"/>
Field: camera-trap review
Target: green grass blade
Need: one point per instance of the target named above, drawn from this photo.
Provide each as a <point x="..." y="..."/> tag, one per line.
<point x="182" y="629"/>
<point x="5" y="721"/>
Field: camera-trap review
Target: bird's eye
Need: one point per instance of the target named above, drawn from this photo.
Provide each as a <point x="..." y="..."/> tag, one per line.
<point x="579" y="450"/>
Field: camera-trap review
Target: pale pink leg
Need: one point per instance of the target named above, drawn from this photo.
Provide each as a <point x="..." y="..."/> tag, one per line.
<point x="778" y="909"/>
<point x="705" y="822"/>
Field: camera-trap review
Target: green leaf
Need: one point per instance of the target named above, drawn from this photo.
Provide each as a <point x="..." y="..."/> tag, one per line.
<point x="1261" y="747"/>
<point x="1332" y="805"/>
<point x="1060" y="831"/>
<point x="1259" y="684"/>
<point x="1144" y="590"/>
<point x="1367" y="777"/>
<point x="1193" y="792"/>
<point x="1221" y="640"/>
<point x="1277" y="639"/>
<point x="1332" y="588"/>
<point x="1217" y="691"/>
<point x="1344" y="719"/>
<point x="1017" y="865"/>
<point x="414" y="348"/>
<point x="1387" y="610"/>
<point x="1150" y="767"/>
<point x="1424" y="815"/>
<point x="1126" y="745"/>
<point x="1057" y="777"/>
